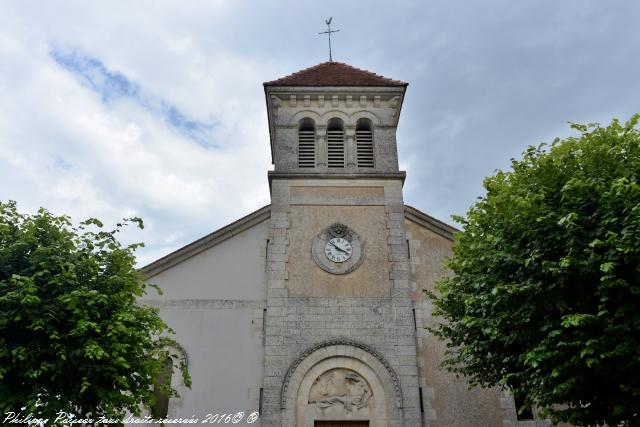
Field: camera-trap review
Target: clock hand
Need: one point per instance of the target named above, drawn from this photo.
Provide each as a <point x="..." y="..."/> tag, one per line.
<point x="346" y="251"/>
<point x="338" y="248"/>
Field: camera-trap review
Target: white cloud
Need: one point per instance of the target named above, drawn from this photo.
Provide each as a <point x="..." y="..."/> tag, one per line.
<point x="62" y="147"/>
<point x="486" y="80"/>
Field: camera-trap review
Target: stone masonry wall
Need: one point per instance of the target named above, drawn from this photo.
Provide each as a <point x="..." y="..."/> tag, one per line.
<point x="447" y="400"/>
<point x="294" y="324"/>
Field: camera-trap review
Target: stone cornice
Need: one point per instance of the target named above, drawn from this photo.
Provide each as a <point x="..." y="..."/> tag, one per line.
<point x="206" y="242"/>
<point x="427" y="221"/>
<point x="335" y="89"/>
<point x="336" y="175"/>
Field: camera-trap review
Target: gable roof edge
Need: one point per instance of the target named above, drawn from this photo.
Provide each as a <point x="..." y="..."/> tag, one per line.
<point x="206" y="242"/>
<point x="427" y="221"/>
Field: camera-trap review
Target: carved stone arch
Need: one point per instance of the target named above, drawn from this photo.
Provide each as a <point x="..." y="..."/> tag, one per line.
<point x="346" y="119"/>
<point x="295" y="119"/>
<point x="342" y="353"/>
<point x="363" y="114"/>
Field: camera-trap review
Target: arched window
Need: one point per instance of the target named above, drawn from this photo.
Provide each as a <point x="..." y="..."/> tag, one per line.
<point x="174" y="360"/>
<point x="307" y="143"/>
<point x="335" y="143"/>
<point x="364" y="143"/>
<point x="160" y="409"/>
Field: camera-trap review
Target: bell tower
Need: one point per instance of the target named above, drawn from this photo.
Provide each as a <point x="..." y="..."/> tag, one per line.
<point x="334" y="120"/>
<point x="340" y="337"/>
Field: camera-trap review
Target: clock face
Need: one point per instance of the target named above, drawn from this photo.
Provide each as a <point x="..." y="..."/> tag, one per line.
<point x="338" y="249"/>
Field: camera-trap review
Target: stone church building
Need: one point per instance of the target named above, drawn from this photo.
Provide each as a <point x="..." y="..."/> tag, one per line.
<point x="310" y="310"/>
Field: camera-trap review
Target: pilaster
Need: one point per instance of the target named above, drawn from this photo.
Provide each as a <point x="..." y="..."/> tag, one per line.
<point x="401" y="302"/>
<point x="275" y="354"/>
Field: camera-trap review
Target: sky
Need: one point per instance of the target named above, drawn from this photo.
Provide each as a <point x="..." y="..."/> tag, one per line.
<point x="155" y="109"/>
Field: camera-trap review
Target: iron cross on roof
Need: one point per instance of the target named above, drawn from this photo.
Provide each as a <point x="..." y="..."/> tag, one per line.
<point x="328" y="33"/>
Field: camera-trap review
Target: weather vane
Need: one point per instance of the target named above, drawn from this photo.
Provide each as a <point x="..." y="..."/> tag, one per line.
<point x="328" y="33"/>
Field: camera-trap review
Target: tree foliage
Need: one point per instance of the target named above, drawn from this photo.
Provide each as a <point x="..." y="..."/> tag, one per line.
<point x="72" y="337"/>
<point x="545" y="296"/>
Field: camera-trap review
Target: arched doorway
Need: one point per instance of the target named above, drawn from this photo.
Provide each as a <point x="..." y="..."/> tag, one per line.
<point x="341" y="384"/>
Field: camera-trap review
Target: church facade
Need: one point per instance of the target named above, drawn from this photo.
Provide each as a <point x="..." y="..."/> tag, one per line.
<point x="310" y="310"/>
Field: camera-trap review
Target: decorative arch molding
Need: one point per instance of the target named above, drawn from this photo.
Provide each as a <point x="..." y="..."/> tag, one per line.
<point x="334" y="348"/>
<point x="295" y="119"/>
<point x="322" y="120"/>
<point x="336" y="113"/>
<point x="363" y="114"/>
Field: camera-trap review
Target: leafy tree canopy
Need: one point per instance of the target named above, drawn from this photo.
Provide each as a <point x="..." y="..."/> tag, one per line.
<point x="545" y="296"/>
<point x="72" y="337"/>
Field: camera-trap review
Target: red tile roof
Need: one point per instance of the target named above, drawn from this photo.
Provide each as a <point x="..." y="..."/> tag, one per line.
<point x="334" y="74"/>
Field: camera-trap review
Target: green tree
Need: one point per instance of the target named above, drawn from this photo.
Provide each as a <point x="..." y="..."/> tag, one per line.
<point x="545" y="295"/>
<point x="72" y="337"/>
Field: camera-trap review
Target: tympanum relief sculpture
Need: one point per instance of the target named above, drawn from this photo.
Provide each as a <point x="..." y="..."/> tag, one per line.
<point x="340" y="388"/>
